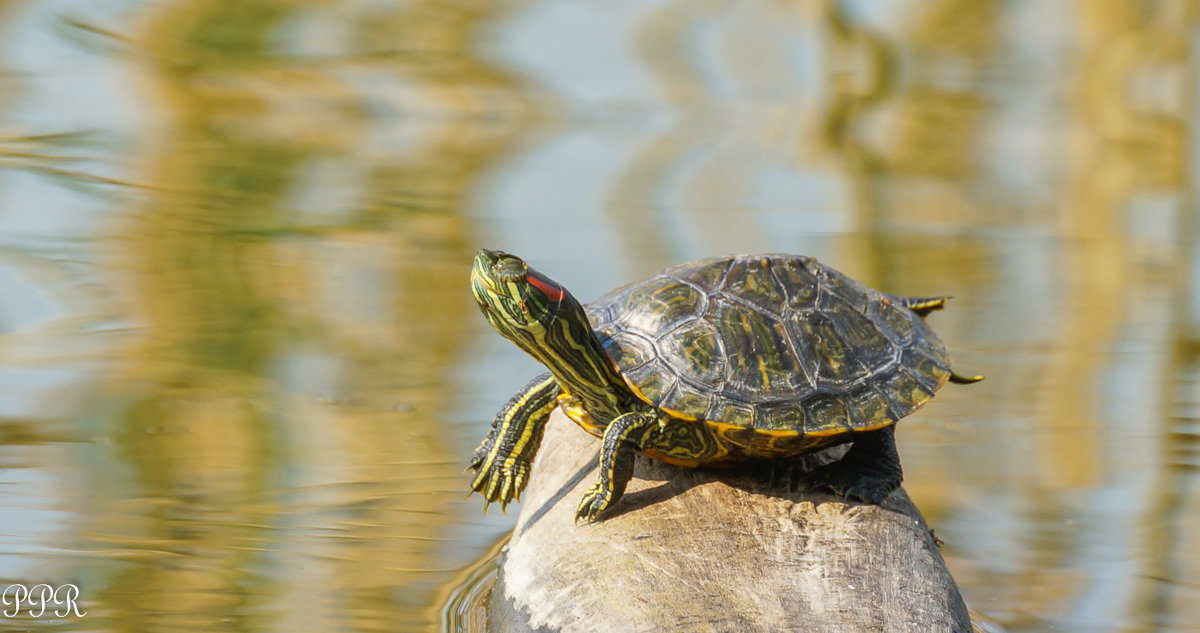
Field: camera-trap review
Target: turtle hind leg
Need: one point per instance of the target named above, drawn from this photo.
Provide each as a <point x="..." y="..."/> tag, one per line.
<point x="924" y="305"/>
<point x="869" y="471"/>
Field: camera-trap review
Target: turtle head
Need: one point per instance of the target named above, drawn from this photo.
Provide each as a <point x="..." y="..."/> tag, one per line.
<point x="548" y="323"/>
<point x="522" y="304"/>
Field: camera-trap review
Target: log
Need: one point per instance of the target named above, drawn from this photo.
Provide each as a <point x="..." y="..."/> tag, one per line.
<point x="696" y="550"/>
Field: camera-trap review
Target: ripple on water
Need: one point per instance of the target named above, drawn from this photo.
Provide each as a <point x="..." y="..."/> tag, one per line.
<point x="464" y="609"/>
<point x="979" y="624"/>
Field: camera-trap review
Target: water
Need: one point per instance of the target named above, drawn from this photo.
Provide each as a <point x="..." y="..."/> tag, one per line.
<point x="465" y="605"/>
<point x="240" y="370"/>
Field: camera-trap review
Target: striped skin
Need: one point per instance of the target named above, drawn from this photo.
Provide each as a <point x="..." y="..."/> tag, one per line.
<point x="675" y="441"/>
<point x="921" y="305"/>
<point x="548" y="323"/>
<point x="502" y="461"/>
<point x="616" y="461"/>
<point x="555" y="332"/>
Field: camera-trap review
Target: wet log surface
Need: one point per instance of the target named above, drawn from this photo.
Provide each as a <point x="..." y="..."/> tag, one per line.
<point x="710" y="550"/>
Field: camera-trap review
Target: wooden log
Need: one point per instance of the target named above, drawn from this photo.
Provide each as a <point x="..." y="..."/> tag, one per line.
<point x="690" y="550"/>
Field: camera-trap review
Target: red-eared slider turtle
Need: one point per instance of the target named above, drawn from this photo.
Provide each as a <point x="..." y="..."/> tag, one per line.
<point x="719" y="360"/>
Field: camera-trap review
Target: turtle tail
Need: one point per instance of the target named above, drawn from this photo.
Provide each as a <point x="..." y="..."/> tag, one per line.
<point x="923" y="306"/>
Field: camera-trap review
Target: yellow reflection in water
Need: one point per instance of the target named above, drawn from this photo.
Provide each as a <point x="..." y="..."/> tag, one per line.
<point x="280" y="280"/>
<point x="256" y="503"/>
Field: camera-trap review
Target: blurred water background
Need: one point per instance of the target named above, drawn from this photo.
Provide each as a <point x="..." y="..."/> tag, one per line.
<point x="241" y="372"/>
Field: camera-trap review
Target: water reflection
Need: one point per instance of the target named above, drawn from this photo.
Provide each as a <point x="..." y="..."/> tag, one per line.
<point x="241" y="371"/>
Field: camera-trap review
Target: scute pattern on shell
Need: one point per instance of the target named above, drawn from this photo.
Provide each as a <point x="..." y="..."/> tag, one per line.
<point x="770" y="343"/>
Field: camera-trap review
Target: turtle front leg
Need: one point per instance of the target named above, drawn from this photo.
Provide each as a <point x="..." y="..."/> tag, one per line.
<point x="868" y="472"/>
<point x="503" y="459"/>
<point x="623" y="439"/>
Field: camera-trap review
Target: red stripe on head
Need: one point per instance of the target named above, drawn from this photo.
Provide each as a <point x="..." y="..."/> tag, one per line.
<point x="552" y="290"/>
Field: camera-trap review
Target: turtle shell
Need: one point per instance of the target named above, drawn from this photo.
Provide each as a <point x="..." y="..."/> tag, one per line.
<point x="774" y="343"/>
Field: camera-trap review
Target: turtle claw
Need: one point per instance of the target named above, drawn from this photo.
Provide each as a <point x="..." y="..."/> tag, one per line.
<point x="480" y="456"/>
<point x="595" y="501"/>
<point x="501" y="482"/>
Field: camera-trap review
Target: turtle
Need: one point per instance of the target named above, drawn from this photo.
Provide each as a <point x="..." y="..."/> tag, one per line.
<point x="713" y="362"/>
